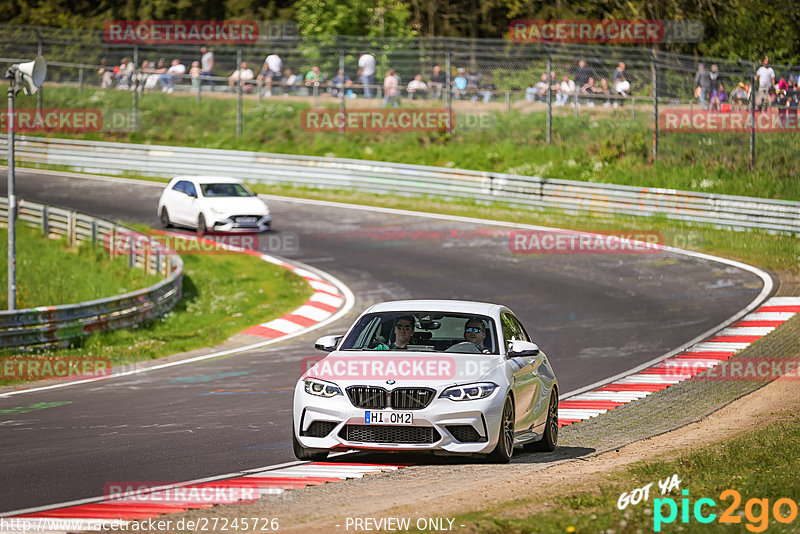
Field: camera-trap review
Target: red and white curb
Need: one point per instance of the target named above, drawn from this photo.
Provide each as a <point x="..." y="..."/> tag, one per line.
<point x="97" y="513"/>
<point x="682" y="366"/>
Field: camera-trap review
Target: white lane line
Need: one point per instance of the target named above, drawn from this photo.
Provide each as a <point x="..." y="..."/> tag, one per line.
<point x="768" y="316"/>
<point x="578" y="413"/>
<point x="719" y="346"/>
<point x="784" y="301"/>
<point x="616" y="396"/>
<point x="324" y="298"/>
<point x="311" y="312"/>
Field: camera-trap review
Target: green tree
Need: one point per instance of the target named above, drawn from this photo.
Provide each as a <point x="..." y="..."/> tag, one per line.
<point x="324" y="18"/>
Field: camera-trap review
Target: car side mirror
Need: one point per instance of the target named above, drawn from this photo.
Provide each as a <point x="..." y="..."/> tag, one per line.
<point x="328" y="343"/>
<point x="522" y="348"/>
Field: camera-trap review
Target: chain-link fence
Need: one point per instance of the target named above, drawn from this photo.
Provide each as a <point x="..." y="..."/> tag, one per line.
<point x="612" y="101"/>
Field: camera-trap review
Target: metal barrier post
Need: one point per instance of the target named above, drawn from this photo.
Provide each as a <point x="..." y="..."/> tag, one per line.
<point x="158" y="261"/>
<point x="342" y="96"/>
<point x="94" y="231"/>
<point x="80" y="80"/>
<point x="45" y="221"/>
<point x="448" y="103"/>
<point x="549" y="135"/>
<point x="199" y="88"/>
<point x="71" y="231"/>
<point x="633" y="108"/>
<point x="239" y="96"/>
<point x="131" y="253"/>
<point x="135" y="88"/>
<point x="40" y="97"/>
<point x="508" y="102"/>
<point x="654" y="70"/>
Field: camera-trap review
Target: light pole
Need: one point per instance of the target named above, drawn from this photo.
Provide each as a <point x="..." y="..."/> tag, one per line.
<point x="28" y="76"/>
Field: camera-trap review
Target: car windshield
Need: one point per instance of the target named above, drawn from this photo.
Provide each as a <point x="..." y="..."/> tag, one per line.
<point x="225" y="190"/>
<point x="431" y="332"/>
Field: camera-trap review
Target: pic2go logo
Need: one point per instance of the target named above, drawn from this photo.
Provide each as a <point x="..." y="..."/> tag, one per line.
<point x="756" y="511"/>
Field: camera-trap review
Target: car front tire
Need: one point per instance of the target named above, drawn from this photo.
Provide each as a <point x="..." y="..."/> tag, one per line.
<point x="165" y="222"/>
<point x="304" y="453"/>
<point x="201" y="225"/>
<point x="505" y="443"/>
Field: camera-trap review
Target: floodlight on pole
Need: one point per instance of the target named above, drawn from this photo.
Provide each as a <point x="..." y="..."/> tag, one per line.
<point x="28" y="77"/>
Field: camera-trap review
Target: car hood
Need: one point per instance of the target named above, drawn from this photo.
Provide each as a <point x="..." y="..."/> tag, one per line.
<point x="404" y="368"/>
<point x="238" y="205"/>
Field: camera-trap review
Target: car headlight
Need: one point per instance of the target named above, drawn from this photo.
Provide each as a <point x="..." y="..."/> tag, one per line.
<point x="321" y="388"/>
<point x="217" y="211"/>
<point x="469" y="391"/>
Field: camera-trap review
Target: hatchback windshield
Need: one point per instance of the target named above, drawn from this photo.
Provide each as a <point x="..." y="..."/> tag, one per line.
<point x="225" y="190"/>
<point x="423" y="331"/>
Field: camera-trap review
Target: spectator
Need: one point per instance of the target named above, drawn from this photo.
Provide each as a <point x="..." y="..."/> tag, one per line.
<point x="340" y="84"/>
<point x="243" y="76"/>
<point x="313" y="77"/>
<point x="740" y="97"/>
<point x="207" y="65"/>
<point x="590" y="88"/>
<point x="289" y="82"/>
<point x="582" y="74"/>
<point x="473" y="82"/>
<point x="487" y="90"/>
<point x="765" y="77"/>
<point x="417" y="88"/>
<point x="714" y="74"/>
<point x="459" y="84"/>
<point x="124" y="73"/>
<point x="271" y="73"/>
<point x="555" y="86"/>
<point x="540" y="89"/>
<point x="391" y="89"/>
<point x="717" y="97"/>
<point x="702" y="81"/>
<point x="438" y="80"/>
<point x="792" y="95"/>
<point x="622" y="87"/>
<point x="106" y="75"/>
<point x="151" y="76"/>
<point x="194" y="74"/>
<point x="167" y="81"/>
<point x="619" y="72"/>
<point x="605" y="90"/>
<point x="566" y="89"/>
<point x="366" y="64"/>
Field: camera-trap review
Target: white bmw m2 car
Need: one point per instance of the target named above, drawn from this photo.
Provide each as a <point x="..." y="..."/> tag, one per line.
<point x="447" y="376"/>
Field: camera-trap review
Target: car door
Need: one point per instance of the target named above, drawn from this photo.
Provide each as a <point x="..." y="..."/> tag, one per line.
<point x="524" y="371"/>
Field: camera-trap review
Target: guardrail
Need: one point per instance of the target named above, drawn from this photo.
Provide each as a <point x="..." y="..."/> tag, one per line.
<point x="50" y="325"/>
<point x="725" y="211"/>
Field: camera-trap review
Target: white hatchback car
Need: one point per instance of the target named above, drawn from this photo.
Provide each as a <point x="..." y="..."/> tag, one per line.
<point x="447" y="376"/>
<point x="212" y="203"/>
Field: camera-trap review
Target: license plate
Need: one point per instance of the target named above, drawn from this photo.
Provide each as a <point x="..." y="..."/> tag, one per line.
<point x="388" y="418"/>
<point x="246" y="220"/>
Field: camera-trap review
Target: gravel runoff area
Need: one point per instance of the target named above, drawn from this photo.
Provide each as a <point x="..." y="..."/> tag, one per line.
<point x="684" y="416"/>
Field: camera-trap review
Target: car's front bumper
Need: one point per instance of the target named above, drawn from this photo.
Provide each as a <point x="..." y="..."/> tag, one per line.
<point x="441" y="415"/>
<point x="234" y="223"/>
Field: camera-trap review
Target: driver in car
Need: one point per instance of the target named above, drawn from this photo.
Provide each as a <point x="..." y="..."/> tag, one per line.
<point x="475" y="333"/>
<point x="403" y="330"/>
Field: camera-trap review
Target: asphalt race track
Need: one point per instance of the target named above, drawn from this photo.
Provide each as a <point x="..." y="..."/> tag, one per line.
<point x="595" y="315"/>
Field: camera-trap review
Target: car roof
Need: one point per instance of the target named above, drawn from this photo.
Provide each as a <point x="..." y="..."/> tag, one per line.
<point x="456" y="306"/>
<point x="209" y="179"/>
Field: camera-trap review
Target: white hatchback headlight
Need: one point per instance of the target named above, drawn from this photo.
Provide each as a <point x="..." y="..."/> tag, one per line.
<point x="469" y="391"/>
<point x="320" y="388"/>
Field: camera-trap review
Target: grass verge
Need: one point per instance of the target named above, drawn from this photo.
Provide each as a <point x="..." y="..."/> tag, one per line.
<point x="600" y="144"/>
<point x="222" y="295"/>
<point x="757" y="465"/>
<point x="49" y="272"/>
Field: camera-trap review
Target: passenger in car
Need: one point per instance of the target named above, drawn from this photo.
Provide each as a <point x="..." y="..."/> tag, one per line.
<point x="475" y="332"/>
<point x="403" y="330"/>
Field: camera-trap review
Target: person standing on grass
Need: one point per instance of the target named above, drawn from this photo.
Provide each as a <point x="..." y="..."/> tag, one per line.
<point x="207" y="65"/>
<point x="366" y="65"/>
<point x="702" y="80"/>
<point x="391" y="89"/>
<point x="765" y="77"/>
